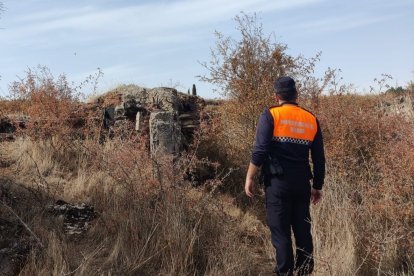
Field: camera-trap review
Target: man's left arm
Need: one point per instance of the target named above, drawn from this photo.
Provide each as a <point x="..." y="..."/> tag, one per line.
<point x="318" y="160"/>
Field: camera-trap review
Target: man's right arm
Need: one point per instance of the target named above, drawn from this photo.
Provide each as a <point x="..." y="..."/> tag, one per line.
<point x="264" y="134"/>
<point x="260" y="152"/>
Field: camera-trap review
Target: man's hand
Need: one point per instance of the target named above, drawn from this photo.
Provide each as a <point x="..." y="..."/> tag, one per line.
<point x="248" y="187"/>
<point x="316" y="195"/>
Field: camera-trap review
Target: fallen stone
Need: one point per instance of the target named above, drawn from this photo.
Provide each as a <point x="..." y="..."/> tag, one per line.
<point x="76" y="217"/>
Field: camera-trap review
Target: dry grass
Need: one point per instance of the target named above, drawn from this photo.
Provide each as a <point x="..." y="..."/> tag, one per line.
<point x="146" y="226"/>
<point x="364" y="224"/>
<point x="154" y="221"/>
<point x="334" y="231"/>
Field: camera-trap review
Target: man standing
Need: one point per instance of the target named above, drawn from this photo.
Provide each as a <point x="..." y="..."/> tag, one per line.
<point x="285" y="135"/>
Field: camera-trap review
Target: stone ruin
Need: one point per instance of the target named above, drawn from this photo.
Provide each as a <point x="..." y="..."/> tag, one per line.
<point x="169" y="117"/>
<point x="76" y="217"/>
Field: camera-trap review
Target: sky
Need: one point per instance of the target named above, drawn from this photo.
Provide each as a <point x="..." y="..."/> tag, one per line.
<point x="161" y="43"/>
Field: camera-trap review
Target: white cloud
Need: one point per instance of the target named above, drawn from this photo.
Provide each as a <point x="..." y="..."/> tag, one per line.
<point x="339" y="23"/>
<point x="140" y="21"/>
<point x="149" y="41"/>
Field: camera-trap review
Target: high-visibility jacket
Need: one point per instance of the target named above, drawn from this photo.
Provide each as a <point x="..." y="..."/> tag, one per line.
<point x="288" y="133"/>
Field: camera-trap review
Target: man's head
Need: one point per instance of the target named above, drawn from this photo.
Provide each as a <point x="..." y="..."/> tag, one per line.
<point x="285" y="89"/>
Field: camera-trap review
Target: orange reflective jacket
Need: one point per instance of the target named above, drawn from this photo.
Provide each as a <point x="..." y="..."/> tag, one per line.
<point x="293" y="124"/>
<point x="288" y="133"/>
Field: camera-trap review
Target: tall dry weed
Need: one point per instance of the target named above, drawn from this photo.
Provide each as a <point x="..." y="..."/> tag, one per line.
<point x="368" y="149"/>
<point x="150" y="221"/>
<point x="148" y="224"/>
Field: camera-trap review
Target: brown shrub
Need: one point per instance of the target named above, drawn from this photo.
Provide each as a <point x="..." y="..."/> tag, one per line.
<point x="370" y="149"/>
<point x="244" y="71"/>
<point x="151" y="220"/>
<point x="368" y="210"/>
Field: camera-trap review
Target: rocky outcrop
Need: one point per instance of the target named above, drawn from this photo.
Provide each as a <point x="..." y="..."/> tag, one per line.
<point x="164" y="116"/>
<point x="168" y="117"/>
<point x="163" y="98"/>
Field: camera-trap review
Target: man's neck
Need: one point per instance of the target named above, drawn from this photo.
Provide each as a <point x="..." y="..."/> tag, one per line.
<point x="281" y="102"/>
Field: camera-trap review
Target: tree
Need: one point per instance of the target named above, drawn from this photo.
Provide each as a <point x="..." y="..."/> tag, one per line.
<point x="244" y="71"/>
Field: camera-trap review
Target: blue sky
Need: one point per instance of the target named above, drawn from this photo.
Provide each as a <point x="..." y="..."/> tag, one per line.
<point x="160" y="42"/>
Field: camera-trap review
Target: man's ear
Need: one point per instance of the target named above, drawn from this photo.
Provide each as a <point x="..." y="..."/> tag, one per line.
<point x="277" y="98"/>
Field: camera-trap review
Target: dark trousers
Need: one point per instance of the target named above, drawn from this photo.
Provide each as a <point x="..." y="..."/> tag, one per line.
<point x="287" y="208"/>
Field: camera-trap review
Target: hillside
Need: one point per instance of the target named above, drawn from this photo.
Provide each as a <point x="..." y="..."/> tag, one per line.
<point x="144" y="182"/>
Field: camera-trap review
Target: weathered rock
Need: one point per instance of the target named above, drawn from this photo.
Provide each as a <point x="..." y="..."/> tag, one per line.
<point x="163" y="98"/>
<point x="165" y="133"/>
<point x="139" y="121"/>
<point x="134" y="100"/>
<point x="137" y="93"/>
<point x="169" y="118"/>
<point x="76" y="217"/>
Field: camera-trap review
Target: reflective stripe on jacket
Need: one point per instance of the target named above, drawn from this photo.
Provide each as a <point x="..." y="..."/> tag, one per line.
<point x="293" y="124"/>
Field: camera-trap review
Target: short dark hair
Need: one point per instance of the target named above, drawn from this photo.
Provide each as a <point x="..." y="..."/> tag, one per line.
<point x="285" y="88"/>
<point x="288" y="96"/>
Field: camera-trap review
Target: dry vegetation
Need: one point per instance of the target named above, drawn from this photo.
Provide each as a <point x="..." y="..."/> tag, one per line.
<point x="154" y="219"/>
